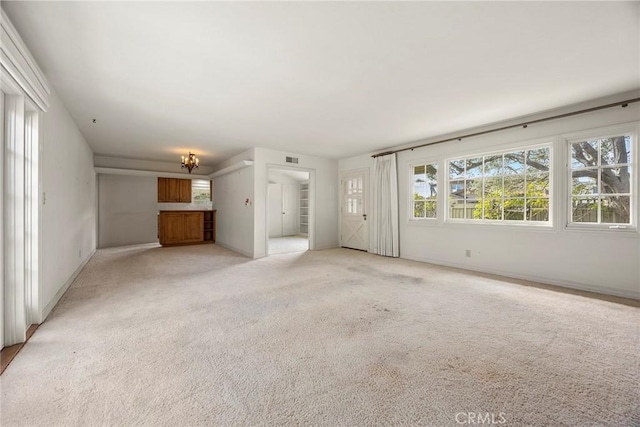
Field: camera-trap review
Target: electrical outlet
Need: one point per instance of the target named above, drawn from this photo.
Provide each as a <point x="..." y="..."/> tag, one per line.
<point x="467" y="253"/>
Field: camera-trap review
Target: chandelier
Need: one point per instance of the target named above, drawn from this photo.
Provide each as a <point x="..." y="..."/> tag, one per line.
<point x="190" y="162"/>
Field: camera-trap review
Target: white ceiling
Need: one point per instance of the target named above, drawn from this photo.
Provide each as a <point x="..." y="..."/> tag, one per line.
<point x="330" y="79"/>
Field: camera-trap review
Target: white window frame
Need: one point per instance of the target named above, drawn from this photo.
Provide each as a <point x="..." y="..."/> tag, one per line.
<point x="438" y="199"/>
<point x="200" y="202"/>
<point x="549" y="143"/>
<point x="632" y="129"/>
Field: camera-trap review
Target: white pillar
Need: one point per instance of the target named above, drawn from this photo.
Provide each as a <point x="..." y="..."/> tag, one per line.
<point x="2" y="137"/>
<point x="15" y="327"/>
<point x="32" y="206"/>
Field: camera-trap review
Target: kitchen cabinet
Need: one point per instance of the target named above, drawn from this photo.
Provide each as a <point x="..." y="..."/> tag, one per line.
<point x="210" y="226"/>
<point x="186" y="227"/>
<point x="174" y="190"/>
<point x="181" y="227"/>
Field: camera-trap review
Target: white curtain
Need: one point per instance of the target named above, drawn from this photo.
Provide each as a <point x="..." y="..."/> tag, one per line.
<point x="385" y="207"/>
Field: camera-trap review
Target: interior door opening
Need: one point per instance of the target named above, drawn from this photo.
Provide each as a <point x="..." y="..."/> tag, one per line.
<point x="288" y="211"/>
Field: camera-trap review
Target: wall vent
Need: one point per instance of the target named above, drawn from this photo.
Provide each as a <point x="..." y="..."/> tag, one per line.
<point x="292" y="159"/>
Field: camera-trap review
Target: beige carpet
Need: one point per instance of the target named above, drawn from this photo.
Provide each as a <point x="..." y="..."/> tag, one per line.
<point x="201" y="336"/>
<point x="288" y="244"/>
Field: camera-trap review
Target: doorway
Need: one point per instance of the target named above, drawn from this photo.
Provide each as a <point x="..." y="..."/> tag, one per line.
<point x="354" y="227"/>
<point x="288" y="210"/>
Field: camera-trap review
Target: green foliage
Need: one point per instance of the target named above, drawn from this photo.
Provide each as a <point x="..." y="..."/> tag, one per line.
<point x="537" y="203"/>
<point x="424" y="207"/>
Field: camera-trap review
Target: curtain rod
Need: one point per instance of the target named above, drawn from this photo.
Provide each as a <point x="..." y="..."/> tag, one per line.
<point x="622" y="104"/>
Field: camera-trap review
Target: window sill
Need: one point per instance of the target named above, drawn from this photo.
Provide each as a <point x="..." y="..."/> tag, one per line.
<point x="502" y="225"/>
<point x="423" y="222"/>
<point x="629" y="230"/>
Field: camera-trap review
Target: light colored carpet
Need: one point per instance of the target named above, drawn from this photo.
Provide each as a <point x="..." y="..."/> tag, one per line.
<point x="288" y="244"/>
<point x="198" y="335"/>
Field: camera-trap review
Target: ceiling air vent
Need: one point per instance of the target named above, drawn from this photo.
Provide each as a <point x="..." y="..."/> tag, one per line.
<point x="292" y="159"/>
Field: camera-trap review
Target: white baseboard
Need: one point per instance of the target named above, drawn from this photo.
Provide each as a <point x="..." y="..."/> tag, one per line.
<point x="323" y="247"/>
<point x="56" y="298"/>
<point x="538" y="279"/>
<point x="234" y="249"/>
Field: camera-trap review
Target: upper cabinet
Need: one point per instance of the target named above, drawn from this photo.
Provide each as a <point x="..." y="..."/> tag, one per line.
<point x="174" y="190"/>
<point x="184" y="190"/>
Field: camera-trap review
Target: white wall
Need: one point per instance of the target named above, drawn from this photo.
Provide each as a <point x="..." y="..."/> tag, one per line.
<point x="235" y="219"/>
<point x="69" y="211"/>
<point x="128" y="210"/>
<point x="149" y="165"/>
<point x="323" y="187"/>
<point x="602" y="261"/>
<point x="243" y="228"/>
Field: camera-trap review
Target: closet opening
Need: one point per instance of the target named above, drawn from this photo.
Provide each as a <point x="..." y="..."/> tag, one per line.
<point x="288" y="210"/>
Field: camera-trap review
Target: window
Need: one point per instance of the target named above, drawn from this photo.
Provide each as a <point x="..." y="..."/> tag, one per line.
<point x="601" y="180"/>
<point x="200" y="191"/>
<point x="425" y="190"/>
<point x="513" y="186"/>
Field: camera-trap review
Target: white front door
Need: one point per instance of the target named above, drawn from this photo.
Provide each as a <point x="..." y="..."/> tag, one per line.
<point x="274" y="198"/>
<point x="354" y="227"/>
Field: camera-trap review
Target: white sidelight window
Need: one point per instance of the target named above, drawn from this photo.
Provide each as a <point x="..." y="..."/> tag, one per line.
<point x="424" y="190"/>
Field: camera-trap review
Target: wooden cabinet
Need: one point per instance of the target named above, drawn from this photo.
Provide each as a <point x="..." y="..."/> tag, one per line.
<point x="184" y="190"/>
<point x="186" y="227"/>
<point x="210" y="226"/>
<point x="181" y="227"/>
<point x="162" y="190"/>
<point x="174" y="190"/>
<point x="194" y="227"/>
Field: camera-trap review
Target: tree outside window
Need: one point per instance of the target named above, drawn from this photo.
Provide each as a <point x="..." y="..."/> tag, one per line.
<point x="425" y="191"/>
<point x="601" y="180"/>
<point x="508" y="186"/>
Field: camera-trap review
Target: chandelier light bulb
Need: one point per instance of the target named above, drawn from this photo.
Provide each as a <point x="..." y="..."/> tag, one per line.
<point x="190" y="162"/>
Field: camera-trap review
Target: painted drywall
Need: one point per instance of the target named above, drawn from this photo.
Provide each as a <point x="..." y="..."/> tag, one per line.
<point x="323" y="188"/>
<point x="128" y="210"/>
<point x="235" y="216"/>
<point x="149" y="165"/>
<point x="601" y="261"/>
<point x="69" y="210"/>
<point x="242" y="225"/>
